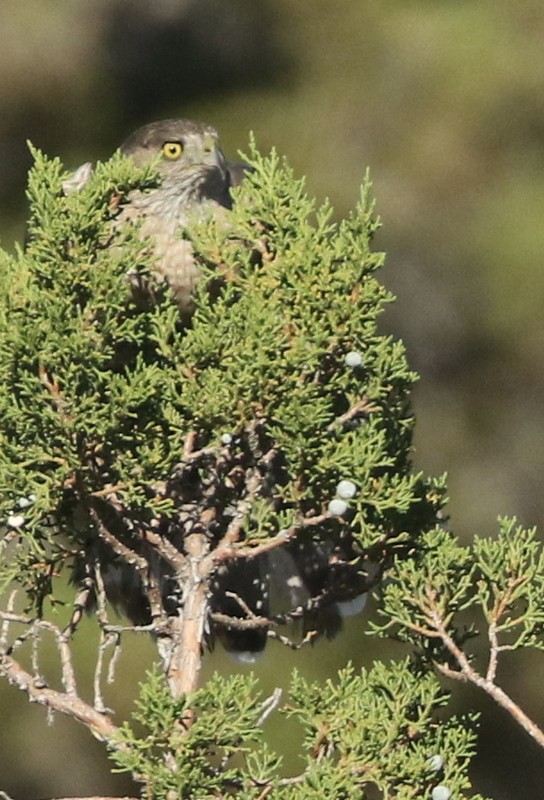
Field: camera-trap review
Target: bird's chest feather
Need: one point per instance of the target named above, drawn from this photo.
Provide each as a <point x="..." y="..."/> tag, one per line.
<point x="163" y="215"/>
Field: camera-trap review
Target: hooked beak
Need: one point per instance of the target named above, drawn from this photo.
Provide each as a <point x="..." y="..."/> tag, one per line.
<point x="211" y="154"/>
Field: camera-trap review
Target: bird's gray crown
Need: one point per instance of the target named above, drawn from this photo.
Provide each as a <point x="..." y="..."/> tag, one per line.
<point x="151" y="137"/>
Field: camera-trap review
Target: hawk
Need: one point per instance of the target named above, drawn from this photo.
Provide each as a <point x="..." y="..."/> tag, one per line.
<point x="196" y="180"/>
<point x="196" y="184"/>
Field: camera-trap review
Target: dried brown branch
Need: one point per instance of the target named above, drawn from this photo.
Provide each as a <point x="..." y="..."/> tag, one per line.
<point x="241" y="623"/>
<point x="101" y="599"/>
<point x="109" y="634"/>
<point x="287" y="642"/>
<point x="109" y="489"/>
<point x="139" y="562"/>
<point x="81" y="602"/>
<point x="494" y="650"/>
<point x="232" y="535"/>
<point x="500" y="607"/>
<point x="252" y="620"/>
<point x="52" y="386"/>
<point x="34" y="625"/>
<point x="112" y="666"/>
<point x="362" y="407"/>
<point x="191" y="456"/>
<point x="100" y="725"/>
<point x="256" y="547"/>
<point x="67" y="702"/>
<point x="189" y="444"/>
<point x="117" y="629"/>
<point x="128" y="555"/>
<point x="165" y="549"/>
<point x="269" y="705"/>
<point x="5" y="621"/>
<point x="467" y="673"/>
<point x="186" y="631"/>
<point x="105" y="641"/>
<point x="294" y="780"/>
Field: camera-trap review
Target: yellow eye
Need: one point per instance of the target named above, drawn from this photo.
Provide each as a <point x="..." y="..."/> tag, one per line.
<point x="172" y="150"/>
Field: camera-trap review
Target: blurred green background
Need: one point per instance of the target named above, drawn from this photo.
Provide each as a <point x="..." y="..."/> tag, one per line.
<point x="444" y="100"/>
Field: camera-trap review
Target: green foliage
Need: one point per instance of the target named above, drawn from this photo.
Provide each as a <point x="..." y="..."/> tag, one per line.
<point x="62" y="319"/>
<point x="377" y="729"/>
<point x="380" y="728"/>
<point x="283" y="350"/>
<point x="499" y="581"/>
<point x="100" y="392"/>
<point x="194" y="746"/>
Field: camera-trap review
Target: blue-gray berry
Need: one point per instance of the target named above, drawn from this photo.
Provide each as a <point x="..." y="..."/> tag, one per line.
<point x="338" y="507"/>
<point x="353" y="359"/>
<point x="441" y="793"/>
<point x="346" y="489"/>
<point x="24" y="502"/>
<point x="436" y="762"/>
<point x="15" y="520"/>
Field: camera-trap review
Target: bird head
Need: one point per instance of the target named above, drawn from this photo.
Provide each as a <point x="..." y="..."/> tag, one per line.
<point x="188" y="154"/>
<point x="180" y="144"/>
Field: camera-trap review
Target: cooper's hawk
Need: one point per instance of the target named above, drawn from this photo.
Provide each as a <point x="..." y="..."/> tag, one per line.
<point x="196" y="183"/>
